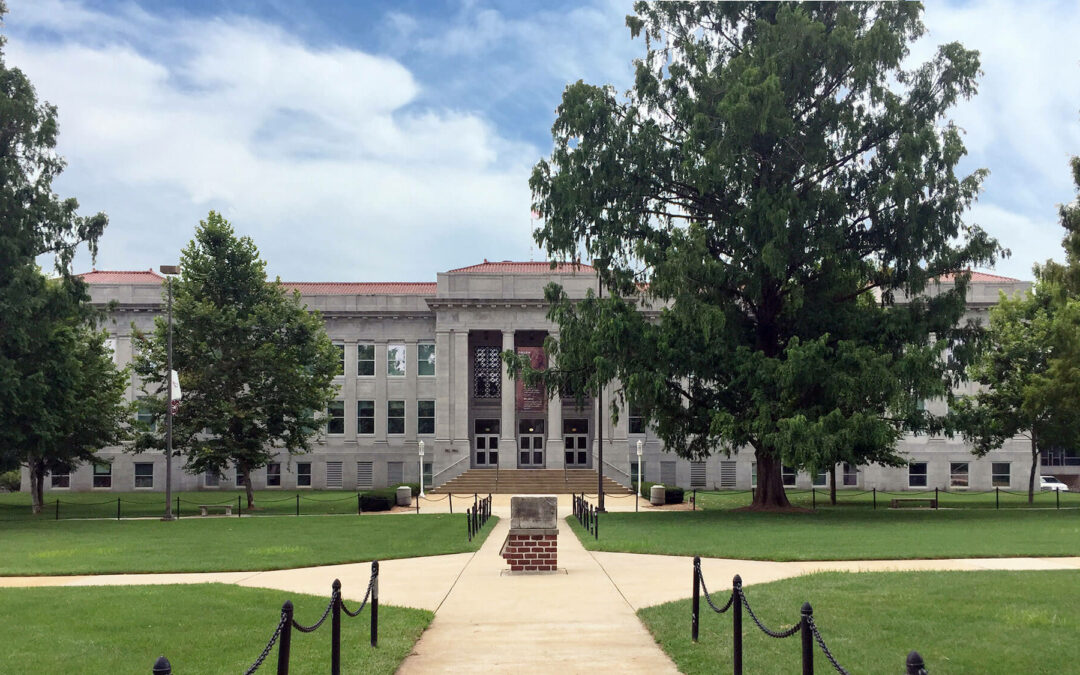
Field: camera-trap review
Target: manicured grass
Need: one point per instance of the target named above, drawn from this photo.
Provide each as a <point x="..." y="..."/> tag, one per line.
<point x="840" y="534"/>
<point x="960" y="622"/>
<point x="204" y="628"/>
<point x="1003" y="499"/>
<point x="16" y="505"/>
<point x="226" y="544"/>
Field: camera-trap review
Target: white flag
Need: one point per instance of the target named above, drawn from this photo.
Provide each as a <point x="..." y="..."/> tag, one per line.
<point x="175" y="385"/>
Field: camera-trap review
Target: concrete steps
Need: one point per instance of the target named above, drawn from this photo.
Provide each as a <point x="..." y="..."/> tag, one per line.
<point x="528" y="481"/>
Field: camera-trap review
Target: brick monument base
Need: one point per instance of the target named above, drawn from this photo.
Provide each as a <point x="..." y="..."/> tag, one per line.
<point x="532" y="545"/>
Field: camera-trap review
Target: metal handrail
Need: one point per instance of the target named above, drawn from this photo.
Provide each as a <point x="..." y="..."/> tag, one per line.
<point x="438" y="473"/>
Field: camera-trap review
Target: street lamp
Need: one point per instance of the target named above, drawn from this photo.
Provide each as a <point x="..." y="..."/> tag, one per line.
<point x="637" y="493"/>
<point x="169" y="271"/>
<point x="421" y="445"/>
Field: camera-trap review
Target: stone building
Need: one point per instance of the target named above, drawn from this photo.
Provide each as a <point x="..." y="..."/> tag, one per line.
<point x="420" y="362"/>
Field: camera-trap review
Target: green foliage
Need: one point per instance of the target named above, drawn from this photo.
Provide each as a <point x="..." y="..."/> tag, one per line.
<point x="673" y="495"/>
<point x="382" y="499"/>
<point x="10" y="481"/>
<point x="771" y="186"/>
<point x="256" y="367"/>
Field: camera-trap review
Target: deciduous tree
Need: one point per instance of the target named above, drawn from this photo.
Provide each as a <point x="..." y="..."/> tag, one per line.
<point x="782" y="191"/>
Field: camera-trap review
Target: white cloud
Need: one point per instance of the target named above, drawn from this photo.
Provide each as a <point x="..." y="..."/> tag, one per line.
<point x="319" y="153"/>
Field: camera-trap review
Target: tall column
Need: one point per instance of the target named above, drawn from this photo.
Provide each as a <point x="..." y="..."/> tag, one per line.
<point x="443" y="406"/>
<point x="508" y="434"/>
<point x="556" y="458"/>
<point x="460" y="392"/>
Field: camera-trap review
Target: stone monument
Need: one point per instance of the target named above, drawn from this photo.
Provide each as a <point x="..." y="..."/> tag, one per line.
<point x="532" y="545"/>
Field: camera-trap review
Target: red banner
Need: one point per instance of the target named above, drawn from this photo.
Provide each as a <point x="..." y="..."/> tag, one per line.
<point x="532" y="399"/>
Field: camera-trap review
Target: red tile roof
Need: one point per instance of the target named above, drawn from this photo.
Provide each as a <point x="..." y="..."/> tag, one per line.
<point x="511" y="267"/>
<point x="361" y="288"/>
<point x="122" y="277"/>
<point x="982" y="276"/>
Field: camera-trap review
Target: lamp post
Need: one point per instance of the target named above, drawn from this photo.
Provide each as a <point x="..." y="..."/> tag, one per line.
<point x="637" y="493"/>
<point x="169" y="271"/>
<point x="421" y="445"/>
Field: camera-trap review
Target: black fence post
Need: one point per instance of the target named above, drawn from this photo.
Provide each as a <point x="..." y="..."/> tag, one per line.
<point x="359" y="509"/>
<point x="875" y="499"/>
<point x="118" y="508"/>
<point x="57" y="509"/>
<point x="335" y="628"/>
<point x="450" y="498"/>
<point x="285" y="639"/>
<point x="997" y="498"/>
<point x="596" y="527"/>
<point x="915" y="664"/>
<point x="375" y="603"/>
<point x="813" y="497"/>
<point x="696" y="600"/>
<point x="736" y="625"/>
<point x="935" y="498"/>
<point x="693" y="502"/>
<point x="162" y="666"/>
<point x="238" y="508"/>
<point x="1057" y="497"/>
<point x="807" y="639"/>
<point x="177" y="509"/>
<point x="417" y="504"/>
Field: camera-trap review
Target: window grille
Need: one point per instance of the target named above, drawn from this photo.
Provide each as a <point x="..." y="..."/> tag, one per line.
<point x="727" y="474"/>
<point x="697" y="474"/>
<point x="333" y="474"/>
<point x="364" y="475"/>
<point x="487" y="372"/>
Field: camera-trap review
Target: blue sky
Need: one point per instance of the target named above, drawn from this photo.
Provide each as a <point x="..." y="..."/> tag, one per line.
<point x="389" y="141"/>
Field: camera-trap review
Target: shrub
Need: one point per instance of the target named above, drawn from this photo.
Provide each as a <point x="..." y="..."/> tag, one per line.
<point x="673" y="495"/>
<point x="644" y="488"/>
<point x="382" y="499"/>
<point x="9" y="481"/>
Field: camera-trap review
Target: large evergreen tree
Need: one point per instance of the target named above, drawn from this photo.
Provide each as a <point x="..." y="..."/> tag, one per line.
<point x="783" y="191"/>
<point x="59" y="398"/>
<point x="256" y="368"/>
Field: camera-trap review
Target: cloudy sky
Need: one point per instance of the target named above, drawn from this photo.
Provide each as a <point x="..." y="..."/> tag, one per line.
<point x="362" y="141"/>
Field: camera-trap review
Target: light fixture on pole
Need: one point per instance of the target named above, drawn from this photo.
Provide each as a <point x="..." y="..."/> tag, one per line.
<point x="421" y="446"/>
<point x="171" y="388"/>
<point x="637" y="494"/>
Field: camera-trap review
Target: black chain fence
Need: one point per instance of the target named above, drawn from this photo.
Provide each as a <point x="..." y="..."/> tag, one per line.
<point x="805" y="627"/>
<point x="478" y="515"/>
<point x="282" y="635"/>
<point x="588" y="515"/>
<point x="873" y="498"/>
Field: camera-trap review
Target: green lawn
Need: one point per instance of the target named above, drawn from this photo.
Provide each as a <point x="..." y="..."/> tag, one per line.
<point x="16" y="505"/>
<point x="960" y="622"/>
<point x="841" y="534"/>
<point x="1004" y="499"/>
<point x="204" y="628"/>
<point x="225" y="544"/>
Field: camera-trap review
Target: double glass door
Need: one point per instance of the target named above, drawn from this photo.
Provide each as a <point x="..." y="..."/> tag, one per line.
<point x="576" y="443"/>
<point x="486" y="444"/>
<point x="531" y="444"/>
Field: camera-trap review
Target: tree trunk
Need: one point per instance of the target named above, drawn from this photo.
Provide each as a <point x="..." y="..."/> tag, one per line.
<point x="832" y="485"/>
<point x="37" y="486"/>
<point x="770" y="483"/>
<point x="248" y="489"/>
<point x="1034" y="468"/>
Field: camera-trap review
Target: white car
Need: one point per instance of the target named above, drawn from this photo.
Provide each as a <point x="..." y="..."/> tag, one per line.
<point x="1051" y="483"/>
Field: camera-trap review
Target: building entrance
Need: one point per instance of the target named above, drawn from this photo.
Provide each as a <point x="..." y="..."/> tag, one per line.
<point x="576" y="443"/>
<point x="531" y="444"/>
<point x="486" y="444"/>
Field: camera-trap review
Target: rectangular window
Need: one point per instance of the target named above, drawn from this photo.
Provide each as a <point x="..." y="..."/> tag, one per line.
<point x="239" y="479"/>
<point x="753" y="474"/>
<point x="211" y="479"/>
<point x="487" y="372"/>
<point x="635" y="422"/>
<point x="634" y="472"/>
<point x="851" y="475"/>
<point x="365" y="417"/>
<point x="428" y="472"/>
<point x="273" y="474"/>
<point x="335" y="418"/>
<point x="697" y="475"/>
<point x="395" y="473"/>
<point x="102" y="475"/>
<point x="59" y="480"/>
<point x="1000" y="474"/>
<point x="365" y="360"/>
<point x="395" y="417"/>
<point x="788" y="474"/>
<point x="425" y="359"/>
<point x="144" y="475"/>
<point x="916" y="474"/>
<point x="667" y="473"/>
<point x="395" y="360"/>
<point x="727" y="473"/>
<point x="365" y="475"/>
<point x="143" y="414"/>
<point x="958" y="474"/>
<point x="821" y="479"/>
<point x="333" y="474"/>
<point x="340" y="349"/>
<point x="303" y="474"/>
<point x="425" y="417"/>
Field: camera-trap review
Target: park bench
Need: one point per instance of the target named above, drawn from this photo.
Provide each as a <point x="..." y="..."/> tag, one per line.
<point x="931" y="502"/>
<point x="225" y="508"/>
